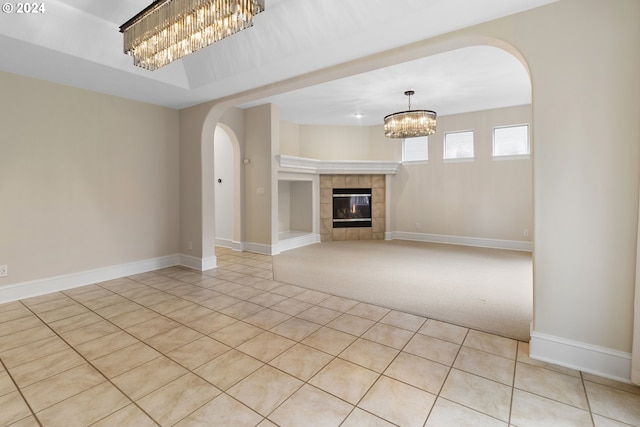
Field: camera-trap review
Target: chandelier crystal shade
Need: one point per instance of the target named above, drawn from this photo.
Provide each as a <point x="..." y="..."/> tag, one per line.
<point x="170" y="29"/>
<point x="410" y="123"/>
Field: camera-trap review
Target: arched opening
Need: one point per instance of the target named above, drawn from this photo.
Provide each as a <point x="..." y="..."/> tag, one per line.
<point x="226" y="161"/>
<point x="413" y="52"/>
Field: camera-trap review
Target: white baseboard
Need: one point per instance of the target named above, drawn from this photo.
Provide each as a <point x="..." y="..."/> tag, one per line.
<point x="261" y="248"/>
<point x="48" y="285"/>
<point x="200" y="264"/>
<point x="600" y="361"/>
<point x="74" y="280"/>
<point x="513" y="245"/>
<point x="296" y="242"/>
<point x="230" y="244"/>
<point x="258" y="248"/>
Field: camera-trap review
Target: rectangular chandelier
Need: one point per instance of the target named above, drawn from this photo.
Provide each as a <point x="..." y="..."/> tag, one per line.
<point x="170" y="29"/>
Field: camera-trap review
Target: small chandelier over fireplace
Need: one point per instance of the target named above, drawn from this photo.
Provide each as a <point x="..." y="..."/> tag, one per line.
<point x="410" y="123"/>
<point x="170" y="29"/>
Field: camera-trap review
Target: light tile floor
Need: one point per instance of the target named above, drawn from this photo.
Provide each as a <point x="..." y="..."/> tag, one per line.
<point x="232" y="347"/>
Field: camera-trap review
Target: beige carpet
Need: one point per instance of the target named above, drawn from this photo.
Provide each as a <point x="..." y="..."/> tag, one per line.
<point x="485" y="289"/>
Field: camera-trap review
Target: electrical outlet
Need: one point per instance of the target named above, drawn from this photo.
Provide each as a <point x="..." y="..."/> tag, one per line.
<point x="3" y="270"/>
<point x="525" y="232"/>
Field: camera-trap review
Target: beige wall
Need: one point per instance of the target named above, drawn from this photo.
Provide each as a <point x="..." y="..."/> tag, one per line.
<point x="257" y="174"/>
<point x="301" y="206"/>
<point x="583" y="57"/>
<point x="284" y="206"/>
<point x="86" y="180"/>
<point x="381" y="147"/>
<point x="289" y="138"/>
<point x="334" y="142"/>
<point x="482" y="198"/>
<point x="195" y="227"/>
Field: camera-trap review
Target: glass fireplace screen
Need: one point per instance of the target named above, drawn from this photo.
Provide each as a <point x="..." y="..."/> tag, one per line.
<point x="351" y="207"/>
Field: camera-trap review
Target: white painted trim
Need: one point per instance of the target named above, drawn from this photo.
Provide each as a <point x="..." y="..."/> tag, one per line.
<point x="230" y="244"/>
<point x="305" y="165"/>
<point x="237" y="246"/>
<point x="513" y="245"/>
<point x="209" y="263"/>
<point x="600" y="361"/>
<point x="74" y="280"/>
<point x="225" y="243"/>
<point x="296" y="242"/>
<point x="295" y="176"/>
<point x="48" y="285"/>
<point x="258" y="248"/>
<point x="200" y="264"/>
<point x="511" y="157"/>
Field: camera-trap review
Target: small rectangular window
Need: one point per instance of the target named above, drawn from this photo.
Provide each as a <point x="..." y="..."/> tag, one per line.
<point x="511" y="141"/>
<point x="415" y="149"/>
<point x="458" y="145"/>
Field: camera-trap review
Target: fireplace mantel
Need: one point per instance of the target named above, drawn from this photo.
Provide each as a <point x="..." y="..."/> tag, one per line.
<point x="345" y="167"/>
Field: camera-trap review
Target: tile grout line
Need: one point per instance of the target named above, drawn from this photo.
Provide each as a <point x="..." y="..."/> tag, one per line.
<point x="165" y="355"/>
<point x="92" y="365"/>
<point x="586" y="395"/>
<point x="380" y="374"/>
<point x="21" y="394"/>
<point x="232" y="348"/>
<point x="333" y="357"/>
<point x="393" y="360"/>
<point x="450" y="368"/>
<point x="513" y="382"/>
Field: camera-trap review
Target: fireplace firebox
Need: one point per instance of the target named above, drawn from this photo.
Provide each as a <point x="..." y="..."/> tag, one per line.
<point x="351" y="207"/>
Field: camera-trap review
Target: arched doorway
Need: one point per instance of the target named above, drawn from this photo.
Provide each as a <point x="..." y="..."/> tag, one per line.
<point x="227" y="199"/>
<point x="220" y="112"/>
<point x="223" y="170"/>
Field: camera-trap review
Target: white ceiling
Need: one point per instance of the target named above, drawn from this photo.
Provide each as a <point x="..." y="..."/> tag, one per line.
<point x="77" y="43"/>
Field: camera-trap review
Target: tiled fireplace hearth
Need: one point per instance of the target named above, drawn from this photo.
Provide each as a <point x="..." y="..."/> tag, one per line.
<point x="375" y="183"/>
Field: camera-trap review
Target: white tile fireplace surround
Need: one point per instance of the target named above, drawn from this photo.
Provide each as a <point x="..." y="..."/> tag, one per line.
<point x="326" y="175"/>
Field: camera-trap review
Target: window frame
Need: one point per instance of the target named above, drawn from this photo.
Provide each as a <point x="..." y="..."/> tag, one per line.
<point x="459" y="159"/>
<point x="495" y="156"/>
